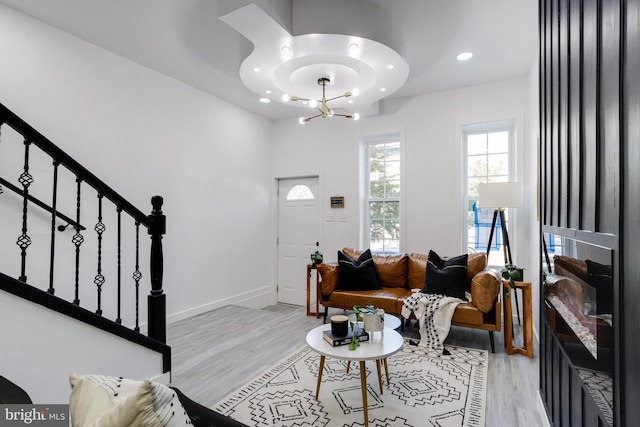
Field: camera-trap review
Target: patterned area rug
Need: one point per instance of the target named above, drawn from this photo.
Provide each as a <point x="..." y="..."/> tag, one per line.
<point x="425" y="389"/>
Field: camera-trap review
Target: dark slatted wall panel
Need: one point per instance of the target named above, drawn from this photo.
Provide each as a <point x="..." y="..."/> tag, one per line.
<point x="589" y="175"/>
<point x="630" y="243"/>
<point x="580" y="95"/>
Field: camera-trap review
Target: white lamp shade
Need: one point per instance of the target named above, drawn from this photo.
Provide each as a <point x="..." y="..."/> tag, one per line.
<point x="501" y="195"/>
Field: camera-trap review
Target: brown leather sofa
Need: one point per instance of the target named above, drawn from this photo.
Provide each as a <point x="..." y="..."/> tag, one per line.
<point x="399" y="275"/>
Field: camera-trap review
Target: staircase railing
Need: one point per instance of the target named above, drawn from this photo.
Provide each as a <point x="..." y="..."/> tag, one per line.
<point x="85" y="184"/>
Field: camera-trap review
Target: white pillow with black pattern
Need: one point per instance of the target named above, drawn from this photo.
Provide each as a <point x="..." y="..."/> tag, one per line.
<point x="101" y="401"/>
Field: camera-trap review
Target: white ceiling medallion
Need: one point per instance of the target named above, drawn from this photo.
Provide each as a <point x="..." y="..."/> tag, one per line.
<point x="295" y="73"/>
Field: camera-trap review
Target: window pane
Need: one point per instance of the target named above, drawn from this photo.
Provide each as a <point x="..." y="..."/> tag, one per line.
<point x="393" y="189"/>
<point x="473" y="184"/>
<point x="392" y="210"/>
<point x="376" y="189"/>
<point x="393" y="152"/>
<point x="498" y="164"/>
<point x="392" y="170"/>
<point x="477" y="165"/>
<point x="376" y="210"/>
<point x="300" y="192"/>
<point x="376" y="152"/>
<point x="476" y="144"/>
<point x="498" y="142"/>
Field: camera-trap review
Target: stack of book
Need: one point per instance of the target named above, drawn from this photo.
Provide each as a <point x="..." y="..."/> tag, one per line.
<point x="344" y="340"/>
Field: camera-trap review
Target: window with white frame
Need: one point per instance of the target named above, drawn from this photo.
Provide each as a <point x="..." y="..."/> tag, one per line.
<point x="489" y="154"/>
<point x="382" y="194"/>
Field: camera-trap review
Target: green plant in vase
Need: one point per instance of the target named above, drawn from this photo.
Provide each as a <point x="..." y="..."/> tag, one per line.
<point x="366" y="313"/>
<point x="511" y="273"/>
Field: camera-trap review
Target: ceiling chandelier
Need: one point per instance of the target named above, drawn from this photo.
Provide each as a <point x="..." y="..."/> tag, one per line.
<point x="324" y="110"/>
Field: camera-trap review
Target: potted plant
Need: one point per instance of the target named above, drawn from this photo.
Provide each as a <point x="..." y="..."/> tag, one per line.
<point x="372" y="317"/>
<point x="316" y="257"/>
<point x="511" y="273"/>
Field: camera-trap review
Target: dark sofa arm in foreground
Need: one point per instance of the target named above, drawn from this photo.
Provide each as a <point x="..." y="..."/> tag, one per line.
<point x="201" y="416"/>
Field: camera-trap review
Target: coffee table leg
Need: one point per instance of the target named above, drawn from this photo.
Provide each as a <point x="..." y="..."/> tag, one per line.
<point x="363" y="384"/>
<point x="379" y="375"/>
<point x="319" y="376"/>
<point x="386" y="370"/>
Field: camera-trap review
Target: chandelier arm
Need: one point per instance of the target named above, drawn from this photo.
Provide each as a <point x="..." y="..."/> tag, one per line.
<point x="336" y="97"/>
<point x="313" y="117"/>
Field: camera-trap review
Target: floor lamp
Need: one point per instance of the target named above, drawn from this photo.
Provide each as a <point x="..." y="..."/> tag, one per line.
<point x="499" y="196"/>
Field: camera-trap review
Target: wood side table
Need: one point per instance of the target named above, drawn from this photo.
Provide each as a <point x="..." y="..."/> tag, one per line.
<point x="527" y="325"/>
<point x="318" y="292"/>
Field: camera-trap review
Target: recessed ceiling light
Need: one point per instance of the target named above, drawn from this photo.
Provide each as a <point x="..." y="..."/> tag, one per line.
<point x="350" y="101"/>
<point x="391" y="67"/>
<point x="353" y="46"/>
<point x="286" y="49"/>
<point x="256" y="69"/>
<point x="267" y="91"/>
<point x="383" y="89"/>
<point x="464" y="56"/>
<point x="265" y="100"/>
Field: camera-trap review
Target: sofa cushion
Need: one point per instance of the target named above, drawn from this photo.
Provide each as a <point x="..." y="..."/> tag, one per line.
<point x="100" y="400"/>
<point x="467" y="314"/>
<point x="388" y="299"/>
<point x="417" y="267"/>
<point x="446" y="277"/>
<point x="485" y="287"/>
<point x="391" y="270"/>
<point x="357" y="274"/>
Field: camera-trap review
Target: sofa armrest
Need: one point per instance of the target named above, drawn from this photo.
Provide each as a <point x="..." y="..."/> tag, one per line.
<point x="328" y="276"/>
<point x="485" y="288"/>
<point x="201" y="416"/>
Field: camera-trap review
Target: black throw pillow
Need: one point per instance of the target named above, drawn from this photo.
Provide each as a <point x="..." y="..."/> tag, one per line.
<point x="357" y="275"/>
<point x="446" y="277"/>
<point x="601" y="277"/>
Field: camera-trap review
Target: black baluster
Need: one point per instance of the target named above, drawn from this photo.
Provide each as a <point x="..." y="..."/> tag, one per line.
<point x="24" y="240"/>
<point x="77" y="240"/>
<point x="99" y="279"/>
<point x="119" y="319"/>
<point x="54" y="202"/>
<point x="137" y="276"/>
<point x="157" y="299"/>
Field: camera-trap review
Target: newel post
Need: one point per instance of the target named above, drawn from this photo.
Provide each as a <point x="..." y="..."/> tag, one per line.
<point x="157" y="305"/>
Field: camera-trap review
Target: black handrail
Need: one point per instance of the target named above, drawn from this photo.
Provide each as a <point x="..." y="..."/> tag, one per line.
<point x="40" y="141"/>
<point x="41" y="204"/>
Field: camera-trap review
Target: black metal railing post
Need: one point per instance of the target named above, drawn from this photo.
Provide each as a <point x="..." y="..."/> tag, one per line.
<point x="157" y="299"/>
<point x="24" y="240"/>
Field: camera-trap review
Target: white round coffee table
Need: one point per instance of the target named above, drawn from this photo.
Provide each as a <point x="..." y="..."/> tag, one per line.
<point x="379" y="347"/>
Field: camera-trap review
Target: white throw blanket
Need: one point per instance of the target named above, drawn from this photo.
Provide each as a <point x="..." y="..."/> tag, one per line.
<point x="434" y="313"/>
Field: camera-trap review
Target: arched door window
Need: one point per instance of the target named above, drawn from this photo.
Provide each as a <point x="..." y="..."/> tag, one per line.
<point x="300" y="192"/>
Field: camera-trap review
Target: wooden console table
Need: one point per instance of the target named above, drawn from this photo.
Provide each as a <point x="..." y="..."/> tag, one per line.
<point x="527" y="326"/>
<point x="309" y="312"/>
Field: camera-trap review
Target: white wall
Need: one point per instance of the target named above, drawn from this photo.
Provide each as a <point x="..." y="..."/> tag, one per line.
<point x="432" y="190"/>
<point x="145" y="134"/>
<point x="41" y="353"/>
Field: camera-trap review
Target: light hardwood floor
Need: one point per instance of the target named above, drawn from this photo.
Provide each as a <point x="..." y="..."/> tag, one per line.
<point x="217" y="352"/>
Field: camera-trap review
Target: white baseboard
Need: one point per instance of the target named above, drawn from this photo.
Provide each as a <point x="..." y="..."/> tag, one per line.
<point x="252" y="299"/>
<point x="162" y="378"/>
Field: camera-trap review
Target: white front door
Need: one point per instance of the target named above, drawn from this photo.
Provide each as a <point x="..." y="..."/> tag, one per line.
<point x="298" y="232"/>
